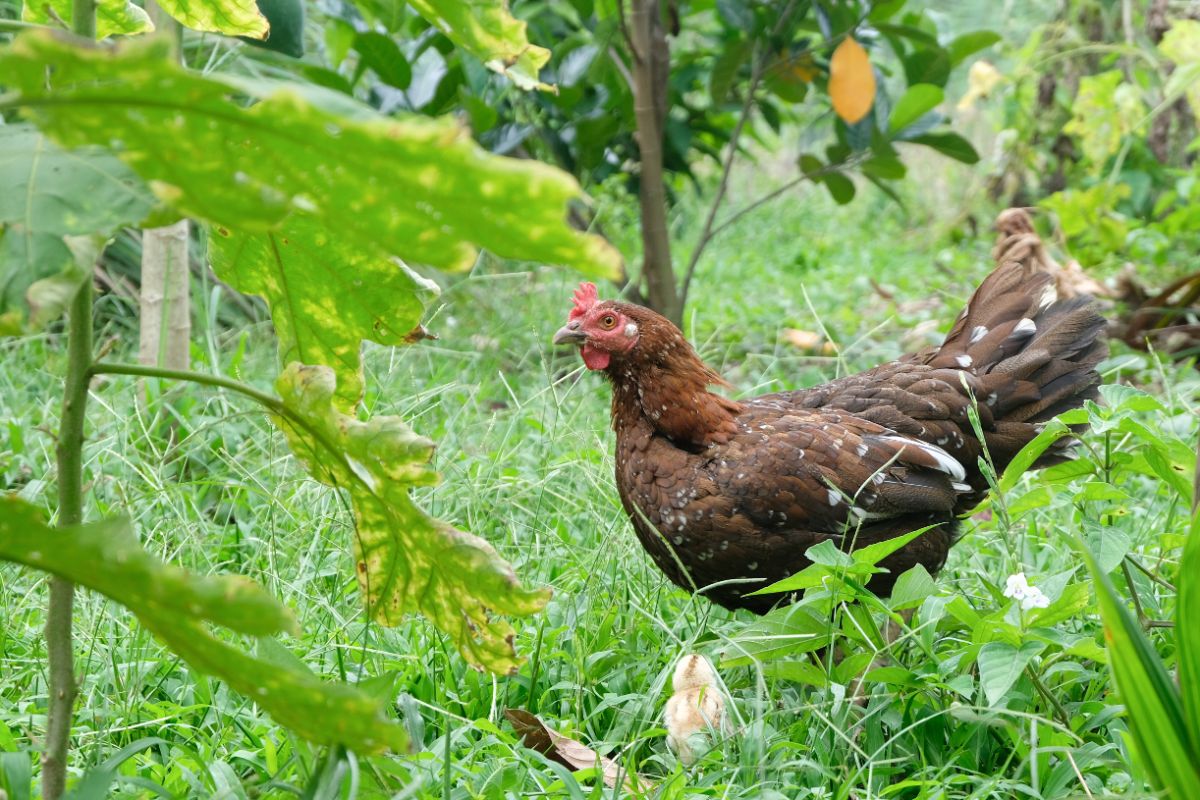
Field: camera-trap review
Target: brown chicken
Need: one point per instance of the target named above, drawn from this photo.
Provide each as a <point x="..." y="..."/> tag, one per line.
<point x="726" y="496"/>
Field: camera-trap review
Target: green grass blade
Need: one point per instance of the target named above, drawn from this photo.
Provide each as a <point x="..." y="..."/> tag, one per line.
<point x="1187" y="632"/>
<point x="1152" y="703"/>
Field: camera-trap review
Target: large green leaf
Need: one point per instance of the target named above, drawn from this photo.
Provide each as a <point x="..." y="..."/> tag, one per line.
<point x="416" y="188"/>
<point x="326" y="295"/>
<point x="175" y="606"/>
<point x="113" y="17"/>
<point x="49" y="195"/>
<point x="406" y="560"/>
<point x="486" y="30"/>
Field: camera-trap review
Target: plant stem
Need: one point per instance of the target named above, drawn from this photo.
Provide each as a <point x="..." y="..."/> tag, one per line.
<point x="16" y="26"/>
<point x="107" y="368"/>
<point x="70" y="512"/>
<point x="59" y="654"/>
<point x="83" y="18"/>
<point x="1059" y="711"/>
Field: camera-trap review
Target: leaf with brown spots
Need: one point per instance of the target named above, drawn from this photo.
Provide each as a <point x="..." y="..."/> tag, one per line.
<point x="246" y="154"/>
<point x="486" y="30"/>
<point x="326" y="294"/>
<point x="406" y="560"/>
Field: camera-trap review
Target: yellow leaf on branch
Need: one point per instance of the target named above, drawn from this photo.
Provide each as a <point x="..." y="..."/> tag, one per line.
<point x="851" y="81"/>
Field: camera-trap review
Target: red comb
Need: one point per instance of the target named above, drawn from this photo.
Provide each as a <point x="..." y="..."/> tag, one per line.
<point x="585" y="298"/>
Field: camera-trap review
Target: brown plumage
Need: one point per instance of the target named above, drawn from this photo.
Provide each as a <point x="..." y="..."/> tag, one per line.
<point x="727" y="496"/>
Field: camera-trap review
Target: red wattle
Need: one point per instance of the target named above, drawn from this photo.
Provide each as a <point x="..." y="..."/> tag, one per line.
<point x="594" y="358"/>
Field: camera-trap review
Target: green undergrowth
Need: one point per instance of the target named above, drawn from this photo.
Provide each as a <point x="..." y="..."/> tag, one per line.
<point x="525" y="453"/>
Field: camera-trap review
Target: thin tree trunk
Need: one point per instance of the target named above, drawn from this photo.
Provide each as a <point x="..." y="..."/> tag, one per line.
<point x="651" y="65"/>
<point x="165" y="320"/>
<point x="165" y="302"/>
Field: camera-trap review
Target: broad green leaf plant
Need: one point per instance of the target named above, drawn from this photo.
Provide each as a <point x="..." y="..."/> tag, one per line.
<point x="315" y="202"/>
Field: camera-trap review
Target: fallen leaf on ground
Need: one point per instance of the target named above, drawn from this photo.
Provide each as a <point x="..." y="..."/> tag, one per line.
<point x="537" y="735"/>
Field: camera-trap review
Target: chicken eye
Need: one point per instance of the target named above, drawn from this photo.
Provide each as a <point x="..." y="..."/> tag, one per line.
<point x="608" y="322"/>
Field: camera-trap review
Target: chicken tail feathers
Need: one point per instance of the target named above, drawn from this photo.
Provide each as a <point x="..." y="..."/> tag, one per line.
<point x="1033" y="354"/>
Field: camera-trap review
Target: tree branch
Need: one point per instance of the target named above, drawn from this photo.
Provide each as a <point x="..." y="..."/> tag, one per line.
<point x="272" y="403"/>
<point x="758" y="66"/>
<point x="775" y="193"/>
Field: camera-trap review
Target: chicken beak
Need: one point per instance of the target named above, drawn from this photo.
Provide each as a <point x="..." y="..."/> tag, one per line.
<point x="570" y="334"/>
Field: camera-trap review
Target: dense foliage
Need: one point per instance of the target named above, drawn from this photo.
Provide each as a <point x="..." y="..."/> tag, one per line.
<point x="379" y="173"/>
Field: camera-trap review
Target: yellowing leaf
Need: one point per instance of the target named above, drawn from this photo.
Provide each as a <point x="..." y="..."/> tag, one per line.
<point x="412" y="187"/>
<point x="788" y="76"/>
<point x="230" y="17"/>
<point x="406" y="560"/>
<point x="326" y="295"/>
<point x="113" y="17"/>
<point x="851" y="81"/>
<point x="486" y="30"/>
<point x="1106" y="109"/>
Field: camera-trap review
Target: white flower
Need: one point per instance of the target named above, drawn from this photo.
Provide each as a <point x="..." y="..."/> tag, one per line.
<point x="1028" y="596"/>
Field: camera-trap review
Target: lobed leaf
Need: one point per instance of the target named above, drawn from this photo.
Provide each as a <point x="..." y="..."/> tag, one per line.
<point x="486" y="30"/>
<point x="326" y="295"/>
<point x="406" y="560"/>
<point x="174" y="604"/>
<point x="413" y="187"/>
<point x="1106" y="108"/>
<point x="1181" y="44"/>
<point x="51" y="195"/>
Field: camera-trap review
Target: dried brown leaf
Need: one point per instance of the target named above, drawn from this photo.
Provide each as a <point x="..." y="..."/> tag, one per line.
<point x="537" y="735"/>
